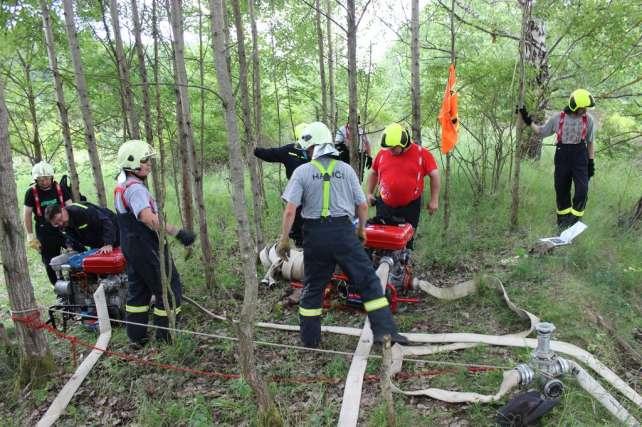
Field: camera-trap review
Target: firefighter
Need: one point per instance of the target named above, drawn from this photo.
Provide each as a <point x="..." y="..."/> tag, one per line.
<point x="44" y="192"/>
<point x="328" y="191"/>
<point x="138" y="224"/>
<point x="574" y="153"/>
<point x="342" y="139"/>
<point x="85" y="225"/>
<point x="399" y="170"/>
<point x="291" y="156"/>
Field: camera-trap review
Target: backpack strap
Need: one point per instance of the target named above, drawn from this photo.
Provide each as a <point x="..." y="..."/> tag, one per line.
<point x="119" y="192"/>
<point x="36" y="197"/>
<point x="327" y="173"/>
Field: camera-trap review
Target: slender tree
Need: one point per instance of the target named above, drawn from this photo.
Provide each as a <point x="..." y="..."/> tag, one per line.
<point x="176" y="18"/>
<point x="448" y="172"/>
<point x="353" y="100"/>
<point x="519" y="149"/>
<point x="123" y="72"/>
<point x="36" y="142"/>
<point x="332" y="122"/>
<point x="83" y="96"/>
<point x="256" y="95"/>
<point x="268" y="412"/>
<point x="324" y="94"/>
<point x="60" y="100"/>
<point x="142" y="70"/>
<point x="414" y="71"/>
<point x="36" y="360"/>
<point x="247" y="124"/>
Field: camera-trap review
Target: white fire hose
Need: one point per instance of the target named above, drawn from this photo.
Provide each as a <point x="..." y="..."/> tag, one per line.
<point x="292" y="269"/>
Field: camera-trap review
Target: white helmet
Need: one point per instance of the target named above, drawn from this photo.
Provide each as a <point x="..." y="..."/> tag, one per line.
<point x="42" y="169"/>
<point x="132" y="152"/>
<point x="316" y="133"/>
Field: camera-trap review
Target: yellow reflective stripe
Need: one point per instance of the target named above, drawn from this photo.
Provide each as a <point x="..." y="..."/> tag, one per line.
<point x="577" y="213"/>
<point x="136" y="308"/>
<point x="80" y="227"/>
<point x="310" y="312"/>
<point x="325" y="210"/>
<point x="375" y="304"/>
<point x="79" y="205"/>
<point x="564" y="211"/>
<point x="163" y="313"/>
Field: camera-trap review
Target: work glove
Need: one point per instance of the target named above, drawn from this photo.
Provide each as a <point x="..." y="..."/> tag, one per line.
<point x="33" y="242"/>
<point x="186" y="237"/>
<point x="283" y="248"/>
<point x="591" y="168"/>
<point x="361" y="233"/>
<point x="525" y="116"/>
<point x="368" y="162"/>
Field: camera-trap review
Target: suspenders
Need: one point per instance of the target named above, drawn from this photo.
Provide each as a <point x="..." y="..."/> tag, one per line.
<point x="327" y="173"/>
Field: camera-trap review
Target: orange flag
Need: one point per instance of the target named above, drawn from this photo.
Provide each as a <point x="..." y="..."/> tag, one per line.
<point x="448" y="114"/>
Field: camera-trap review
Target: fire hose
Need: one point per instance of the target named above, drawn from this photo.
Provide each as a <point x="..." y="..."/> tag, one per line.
<point x="292" y="269"/>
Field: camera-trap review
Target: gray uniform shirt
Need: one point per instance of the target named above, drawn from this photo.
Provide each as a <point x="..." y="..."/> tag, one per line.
<point x="572" y="131"/>
<point x="137" y="197"/>
<point x="306" y="188"/>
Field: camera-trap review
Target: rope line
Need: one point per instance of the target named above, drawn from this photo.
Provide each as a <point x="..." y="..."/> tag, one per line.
<point x="473" y="366"/>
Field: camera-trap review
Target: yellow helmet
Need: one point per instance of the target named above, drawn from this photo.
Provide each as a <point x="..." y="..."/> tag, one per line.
<point x="298" y="130"/>
<point x="580" y="98"/>
<point x="394" y="135"/>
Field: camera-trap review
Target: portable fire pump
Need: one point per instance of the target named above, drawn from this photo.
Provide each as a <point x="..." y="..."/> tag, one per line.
<point x="382" y="241"/>
<point x="78" y="277"/>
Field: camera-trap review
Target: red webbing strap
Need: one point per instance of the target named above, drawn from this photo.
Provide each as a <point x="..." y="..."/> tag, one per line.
<point x="560" y="127"/>
<point x="36" y="198"/>
<point x="584" y="126"/>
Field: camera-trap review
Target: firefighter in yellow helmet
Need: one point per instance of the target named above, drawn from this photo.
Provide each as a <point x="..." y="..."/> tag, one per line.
<point x="574" y="153"/>
<point x="291" y="156"/>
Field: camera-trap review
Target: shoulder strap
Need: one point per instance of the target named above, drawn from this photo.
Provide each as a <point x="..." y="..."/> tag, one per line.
<point x="61" y="197"/>
<point x="560" y="127"/>
<point x="327" y="173"/>
<point x="119" y="191"/>
<point x="36" y="200"/>
<point x="584" y="127"/>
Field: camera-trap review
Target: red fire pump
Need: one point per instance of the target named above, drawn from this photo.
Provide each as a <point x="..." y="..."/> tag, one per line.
<point x="79" y="275"/>
<point x="381" y="241"/>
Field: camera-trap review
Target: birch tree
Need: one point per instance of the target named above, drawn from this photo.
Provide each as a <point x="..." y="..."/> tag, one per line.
<point x="247" y="124"/>
<point x="123" y="73"/>
<point x="176" y="18"/>
<point x="36" y="359"/>
<point x="268" y="412"/>
<point x="415" y="87"/>
<point x="83" y="96"/>
<point x="60" y="100"/>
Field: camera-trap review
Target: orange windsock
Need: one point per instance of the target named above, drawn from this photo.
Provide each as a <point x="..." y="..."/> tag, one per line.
<point x="448" y="114"/>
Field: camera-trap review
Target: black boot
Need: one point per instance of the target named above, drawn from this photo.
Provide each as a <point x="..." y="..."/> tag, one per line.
<point x="383" y="324"/>
<point x="310" y="331"/>
<point x="563" y="222"/>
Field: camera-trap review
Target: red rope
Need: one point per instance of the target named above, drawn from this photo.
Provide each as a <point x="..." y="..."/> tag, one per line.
<point x="33" y="321"/>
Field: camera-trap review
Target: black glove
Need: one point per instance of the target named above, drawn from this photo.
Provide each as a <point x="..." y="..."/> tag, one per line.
<point x="186" y="237"/>
<point x="591" y="168"/>
<point x="368" y="162"/>
<point x="525" y="116"/>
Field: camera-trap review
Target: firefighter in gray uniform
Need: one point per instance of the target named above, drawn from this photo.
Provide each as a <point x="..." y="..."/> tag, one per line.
<point x="138" y="223"/>
<point x="329" y="192"/>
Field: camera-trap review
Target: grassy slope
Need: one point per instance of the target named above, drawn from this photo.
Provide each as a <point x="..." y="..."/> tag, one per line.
<point x="601" y="273"/>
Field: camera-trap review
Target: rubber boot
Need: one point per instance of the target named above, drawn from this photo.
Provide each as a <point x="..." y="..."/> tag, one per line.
<point x="310" y="331"/>
<point x="563" y="222"/>
<point x="382" y="324"/>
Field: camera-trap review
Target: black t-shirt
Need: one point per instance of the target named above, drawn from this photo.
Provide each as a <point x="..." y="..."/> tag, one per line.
<point x="47" y="198"/>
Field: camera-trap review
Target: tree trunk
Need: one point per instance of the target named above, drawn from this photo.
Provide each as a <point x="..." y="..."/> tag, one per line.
<point x="448" y="172"/>
<point x="60" y="101"/>
<point x="415" y="88"/>
<point x="256" y="95"/>
<point x="332" y="120"/>
<point x="142" y="69"/>
<point x="519" y="149"/>
<point x="123" y="73"/>
<point x="268" y="411"/>
<point x="81" y="86"/>
<point x="324" y="98"/>
<point x="36" y="360"/>
<point x="36" y="143"/>
<point x="247" y="125"/>
<point x="188" y="134"/>
<point x="537" y="57"/>
<point x="353" y="100"/>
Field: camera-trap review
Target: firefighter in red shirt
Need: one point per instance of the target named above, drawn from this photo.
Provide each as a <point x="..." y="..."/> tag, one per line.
<point x="399" y="170"/>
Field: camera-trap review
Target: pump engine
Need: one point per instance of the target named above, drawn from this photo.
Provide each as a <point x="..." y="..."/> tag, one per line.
<point x="79" y="275"/>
